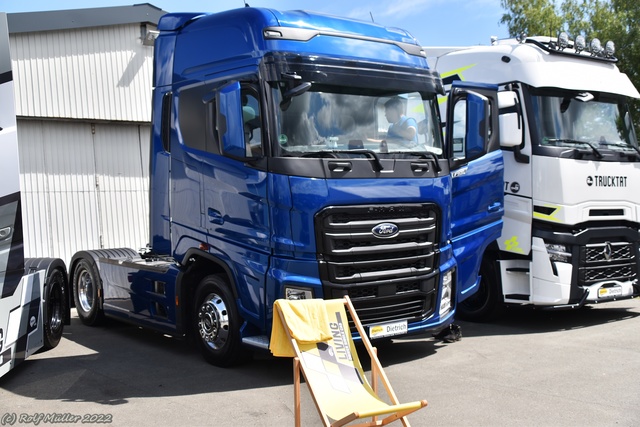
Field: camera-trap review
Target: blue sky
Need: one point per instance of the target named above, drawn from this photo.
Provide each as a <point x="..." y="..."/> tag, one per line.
<point x="432" y="22"/>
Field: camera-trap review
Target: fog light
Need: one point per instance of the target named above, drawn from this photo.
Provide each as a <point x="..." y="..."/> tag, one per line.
<point x="446" y="298"/>
<point x="558" y="252"/>
<point x="297" y="293"/>
<point x="563" y="40"/>
<point x="580" y="44"/>
<point x="610" y="49"/>
<point x="596" y="47"/>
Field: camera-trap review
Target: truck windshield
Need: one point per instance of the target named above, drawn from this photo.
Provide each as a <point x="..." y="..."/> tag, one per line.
<point x="330" y="120"/>
<point x="588" y="120"/>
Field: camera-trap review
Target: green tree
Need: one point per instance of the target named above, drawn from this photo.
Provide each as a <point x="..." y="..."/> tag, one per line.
<point x="617" y="20"/>
<point x="531" y="17"/>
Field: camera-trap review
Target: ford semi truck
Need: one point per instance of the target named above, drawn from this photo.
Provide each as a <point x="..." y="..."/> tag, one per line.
<point x="572" y="218"/>
<point x="33" y="292"/>
<point x="273" y="174"/>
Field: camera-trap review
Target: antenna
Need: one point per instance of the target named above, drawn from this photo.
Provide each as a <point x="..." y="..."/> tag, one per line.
<point x="246" y="4"/>
<point x="371" y="14"/>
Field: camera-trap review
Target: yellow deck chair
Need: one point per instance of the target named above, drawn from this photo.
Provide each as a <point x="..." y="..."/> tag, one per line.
<point x="316" y="334"/>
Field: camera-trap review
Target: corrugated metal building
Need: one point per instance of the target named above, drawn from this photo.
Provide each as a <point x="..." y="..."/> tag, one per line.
<point x="83" y="81"/>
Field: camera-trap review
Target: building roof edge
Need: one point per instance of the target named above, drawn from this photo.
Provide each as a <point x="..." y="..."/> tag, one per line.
<point x="55" y="20"/>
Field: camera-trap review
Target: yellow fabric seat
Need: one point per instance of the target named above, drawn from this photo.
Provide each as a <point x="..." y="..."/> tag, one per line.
<point x="316" y="334"/>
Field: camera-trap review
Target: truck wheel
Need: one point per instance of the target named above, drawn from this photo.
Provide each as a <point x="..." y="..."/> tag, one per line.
<point x="217" y="323"/>
<point x="86" y="282"/>
<point x="487" y="303"/>
<point x="56" y="300"/>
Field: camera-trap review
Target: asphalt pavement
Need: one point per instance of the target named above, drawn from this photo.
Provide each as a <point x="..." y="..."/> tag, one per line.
<point x="529" y="368"/>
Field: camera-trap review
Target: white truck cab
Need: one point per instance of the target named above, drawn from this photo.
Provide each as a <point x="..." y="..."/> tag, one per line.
<point x="572" y="208"/>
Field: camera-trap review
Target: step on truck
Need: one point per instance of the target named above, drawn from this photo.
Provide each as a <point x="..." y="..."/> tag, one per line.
<point x="33" y="292"/>
<point x="571" y="227"/>
<point x="273" y="174"/>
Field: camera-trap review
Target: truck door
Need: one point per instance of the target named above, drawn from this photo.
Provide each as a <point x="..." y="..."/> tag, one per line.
<point x="235" y="197"/>
<point x="477" y="178"/>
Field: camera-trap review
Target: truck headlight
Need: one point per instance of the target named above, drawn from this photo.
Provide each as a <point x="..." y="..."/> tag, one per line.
<point x="297" y="293"/>
<point x="446" y="298"/>
<point x="558" y="252"/>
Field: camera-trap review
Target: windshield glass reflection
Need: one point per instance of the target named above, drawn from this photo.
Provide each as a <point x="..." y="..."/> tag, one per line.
<point x="317" y="122"/>
<point x="583" y="119"/>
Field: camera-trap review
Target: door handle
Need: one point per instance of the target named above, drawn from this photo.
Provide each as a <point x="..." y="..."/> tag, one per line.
<point x="494" y="207"/>
<point x="215" y="216"/>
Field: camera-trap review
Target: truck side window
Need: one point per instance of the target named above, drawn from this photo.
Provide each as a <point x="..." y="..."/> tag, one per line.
<point x="251" y="121"/>
<point x="165" y="130"/>
<point x="191" y="115"/>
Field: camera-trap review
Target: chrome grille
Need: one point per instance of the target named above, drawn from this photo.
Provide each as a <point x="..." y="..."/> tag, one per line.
<point x="390" y="278"/>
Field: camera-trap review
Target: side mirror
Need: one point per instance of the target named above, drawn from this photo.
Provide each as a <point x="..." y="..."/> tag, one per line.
<point x="510" y="128"/>
<point x="230" y="122"/>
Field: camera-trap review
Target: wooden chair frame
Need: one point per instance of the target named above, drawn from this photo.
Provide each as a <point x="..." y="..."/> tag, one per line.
<point x="393" y="412"/>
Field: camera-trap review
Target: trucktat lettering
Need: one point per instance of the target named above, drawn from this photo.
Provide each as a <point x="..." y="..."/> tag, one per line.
<point x="607" y="181"/>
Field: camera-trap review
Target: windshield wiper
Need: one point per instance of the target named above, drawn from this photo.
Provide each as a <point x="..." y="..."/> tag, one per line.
<point x="425" y="155"/>
<point x="622" y="145"/>
<point x="576" y="142"/>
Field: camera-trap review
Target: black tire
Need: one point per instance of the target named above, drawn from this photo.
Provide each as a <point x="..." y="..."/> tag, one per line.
<point x="86" y="286"/>
<point x="487" y="303"/>
<point x="56" y="303"/>
<point x="216" y="323"/>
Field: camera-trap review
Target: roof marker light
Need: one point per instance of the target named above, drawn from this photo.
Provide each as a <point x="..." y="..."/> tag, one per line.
<point x="271" y="34"/>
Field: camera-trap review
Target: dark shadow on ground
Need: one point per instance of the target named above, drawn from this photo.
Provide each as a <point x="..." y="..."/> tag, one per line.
<point x="116" y="362"/>
<point x="527" y="320"/>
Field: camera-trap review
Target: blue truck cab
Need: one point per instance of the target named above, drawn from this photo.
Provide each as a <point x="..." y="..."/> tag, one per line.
<point x="299" y="155"/>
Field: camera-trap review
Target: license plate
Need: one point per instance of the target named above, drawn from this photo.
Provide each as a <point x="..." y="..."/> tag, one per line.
<point x="610" y="292"/>
<point x="388" y="329"/>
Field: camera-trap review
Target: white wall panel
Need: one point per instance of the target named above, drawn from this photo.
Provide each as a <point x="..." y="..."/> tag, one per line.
<point x="101" y="73"/>
<point x="34" y="189"/>
<point x="122" y="184"/>
<point x="84" y="186"/>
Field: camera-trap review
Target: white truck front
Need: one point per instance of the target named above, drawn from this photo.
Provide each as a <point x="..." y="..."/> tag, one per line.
<point x="572" y="208"/>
